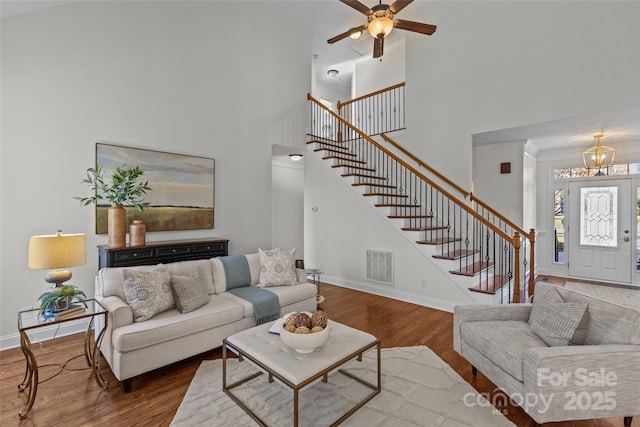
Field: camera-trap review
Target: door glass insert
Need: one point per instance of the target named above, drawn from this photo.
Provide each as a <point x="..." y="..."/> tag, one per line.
<point x="558" y="226"/>
<point x="599" y="216"/>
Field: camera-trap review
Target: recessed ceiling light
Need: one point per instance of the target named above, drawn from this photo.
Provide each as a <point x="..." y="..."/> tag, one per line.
<point x="332" y="73"/>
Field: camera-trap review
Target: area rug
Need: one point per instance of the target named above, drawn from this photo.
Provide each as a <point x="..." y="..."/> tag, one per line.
<point x="418" y="389"/>
<point x="626" y="296"/>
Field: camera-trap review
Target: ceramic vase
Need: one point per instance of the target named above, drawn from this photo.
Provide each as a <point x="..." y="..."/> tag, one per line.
<point x="116" y="227"/>
<point x="137" y="233"/>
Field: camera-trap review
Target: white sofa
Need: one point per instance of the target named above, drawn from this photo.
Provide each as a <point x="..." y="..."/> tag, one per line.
<point x="133" y="348"/>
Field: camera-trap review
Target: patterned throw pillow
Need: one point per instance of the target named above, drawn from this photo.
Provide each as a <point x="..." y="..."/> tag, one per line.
<point x="277" y="268"/>
<point x="147" y="292"/>
<point x="556" y="322"/>
<point x="189" y="292"/>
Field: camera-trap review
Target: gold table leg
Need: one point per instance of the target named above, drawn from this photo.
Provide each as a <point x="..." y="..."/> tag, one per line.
<point x="30" y="380"/>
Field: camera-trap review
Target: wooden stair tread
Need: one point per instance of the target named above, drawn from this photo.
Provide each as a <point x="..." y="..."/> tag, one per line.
<point x="362" y="175"/>
<point x="330" y="144"/>
<point x="457" y="254"/>
<point x="492" y="285"/>
<point x="404" y="196"/>
<point x="395" y="205"/>
<point x="360" y="168"/>
<point x="318" y="137"/>
<point x="472" y="269"/>
<point x="343" y="158"/>
<point x="333" y="150"/>
<point x="359" y="184"/>
<point x="439" y="241"/>
<point x="425" y="228"/>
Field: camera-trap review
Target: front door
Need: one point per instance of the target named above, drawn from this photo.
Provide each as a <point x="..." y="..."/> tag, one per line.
<point x="600" y="230"/>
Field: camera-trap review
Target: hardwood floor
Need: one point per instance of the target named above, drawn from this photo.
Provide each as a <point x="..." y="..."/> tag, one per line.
<point x="74" y="399"/>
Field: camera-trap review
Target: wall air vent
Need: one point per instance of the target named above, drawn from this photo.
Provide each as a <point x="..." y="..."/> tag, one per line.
<point x="380" y="266"/>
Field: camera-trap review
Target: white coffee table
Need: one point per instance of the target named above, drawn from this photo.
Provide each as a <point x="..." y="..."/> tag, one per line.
<point x="294" y="370"/>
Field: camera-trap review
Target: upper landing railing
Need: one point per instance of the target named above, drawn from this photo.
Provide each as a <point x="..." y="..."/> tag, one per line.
<point x="374" y="113"/>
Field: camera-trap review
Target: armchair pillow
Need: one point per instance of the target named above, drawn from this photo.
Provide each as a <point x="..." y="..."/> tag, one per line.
<point x="189" y="292"/>
<point x="147" y="292"/>
<point x="277" y="268"/>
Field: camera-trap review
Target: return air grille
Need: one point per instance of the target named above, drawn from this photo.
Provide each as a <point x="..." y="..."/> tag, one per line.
<point x="380" y="266"/>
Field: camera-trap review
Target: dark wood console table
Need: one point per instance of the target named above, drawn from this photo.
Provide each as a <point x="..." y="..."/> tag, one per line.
<point x="159" y="252"/>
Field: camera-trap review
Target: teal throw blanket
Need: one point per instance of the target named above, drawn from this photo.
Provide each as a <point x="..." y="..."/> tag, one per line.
<point x="236" y="270"/>
<point x="266" y="306"/>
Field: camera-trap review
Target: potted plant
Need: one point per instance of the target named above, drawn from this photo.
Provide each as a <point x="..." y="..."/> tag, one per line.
<point x="124" y="189"/>
<point x="60" y="299"/>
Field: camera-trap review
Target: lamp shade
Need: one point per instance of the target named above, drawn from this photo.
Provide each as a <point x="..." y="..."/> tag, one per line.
<point x="57" y="251"/>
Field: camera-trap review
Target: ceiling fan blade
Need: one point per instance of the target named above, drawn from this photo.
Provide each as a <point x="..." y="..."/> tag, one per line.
<point x="378" y="47"/>
<point x="358" y="6"/>
<point x="417" y="27"/>
<point x="346" y="34"/>
<point x="398" y="5"/>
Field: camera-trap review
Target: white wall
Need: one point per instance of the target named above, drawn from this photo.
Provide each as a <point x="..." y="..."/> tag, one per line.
<point x="340" y="226"/>
<point x="495" y="65"/>
<point x="371" y="74"/>
<point x="169" y="76"/>
<point x="501" y="191"/>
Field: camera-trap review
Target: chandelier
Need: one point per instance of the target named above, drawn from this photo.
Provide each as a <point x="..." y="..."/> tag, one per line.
<point x="598" y="156"/>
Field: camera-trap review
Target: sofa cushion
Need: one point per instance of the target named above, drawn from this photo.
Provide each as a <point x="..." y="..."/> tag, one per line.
<point x="189" y="292"/>
<point x="556" y="322"/>
<point x="110" y="279"/>
<point x="286" y="295"/>
<point x="277" y="268"/>
<point x="184" y="268"/>
<point x="147" y="292"/>
<point x="609" y="323"/>
<point x="502" y="341"/>
<point x="254" y="267"/>
<point x="171" y="324"/>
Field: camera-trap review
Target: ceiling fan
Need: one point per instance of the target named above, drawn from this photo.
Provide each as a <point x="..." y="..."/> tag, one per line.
<point x="381" y="22"/>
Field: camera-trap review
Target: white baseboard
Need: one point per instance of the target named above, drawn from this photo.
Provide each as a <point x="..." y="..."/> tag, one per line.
<point x="393" y="293"/>
<point x="55" y="330"/>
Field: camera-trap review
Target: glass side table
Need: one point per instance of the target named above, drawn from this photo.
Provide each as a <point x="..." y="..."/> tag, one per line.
<point x="29" y="320"/>
<point x="315" y="275"/>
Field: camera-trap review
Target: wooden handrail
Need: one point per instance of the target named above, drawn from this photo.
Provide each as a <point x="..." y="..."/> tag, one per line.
<point x="424" y="165"/>
<point x="459" y="202"/>
<point x="499" y="215"/>
<point x="369" y="95"/>
<point x="472" y="197"/>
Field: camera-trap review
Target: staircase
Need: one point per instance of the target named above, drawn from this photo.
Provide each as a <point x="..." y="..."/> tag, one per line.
<point x="485" y="254"/>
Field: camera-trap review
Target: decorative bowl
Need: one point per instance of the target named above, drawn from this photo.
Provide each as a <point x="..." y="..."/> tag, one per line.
<point x="303" y="343"/>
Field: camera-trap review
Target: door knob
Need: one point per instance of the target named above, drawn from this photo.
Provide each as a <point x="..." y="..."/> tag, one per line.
<point x="626" y="238"/>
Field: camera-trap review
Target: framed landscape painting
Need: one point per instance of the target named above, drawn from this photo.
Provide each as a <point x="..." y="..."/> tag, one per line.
<point x="182" y="188"/>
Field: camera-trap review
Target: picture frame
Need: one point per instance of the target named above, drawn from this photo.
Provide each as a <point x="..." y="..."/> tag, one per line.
<point x="182" y="195"/>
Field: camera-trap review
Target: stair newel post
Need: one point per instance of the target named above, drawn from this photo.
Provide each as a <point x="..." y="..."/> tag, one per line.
<point x="532" y="241"/>
<point x="516" y="267"/>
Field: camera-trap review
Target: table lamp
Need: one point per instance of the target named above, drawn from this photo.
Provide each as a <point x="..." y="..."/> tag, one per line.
<point x="57" y="252"/>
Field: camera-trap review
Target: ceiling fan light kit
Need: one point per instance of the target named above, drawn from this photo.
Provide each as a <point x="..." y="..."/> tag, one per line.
<point x="381" y="23"/>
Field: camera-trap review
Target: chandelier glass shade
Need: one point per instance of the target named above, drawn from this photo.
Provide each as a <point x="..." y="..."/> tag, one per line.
<point x="380" y="27"/>
<point x="598" y="156"/>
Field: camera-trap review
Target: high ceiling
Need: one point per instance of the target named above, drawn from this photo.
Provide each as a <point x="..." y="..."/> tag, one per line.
<point x="328" y="18"/>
